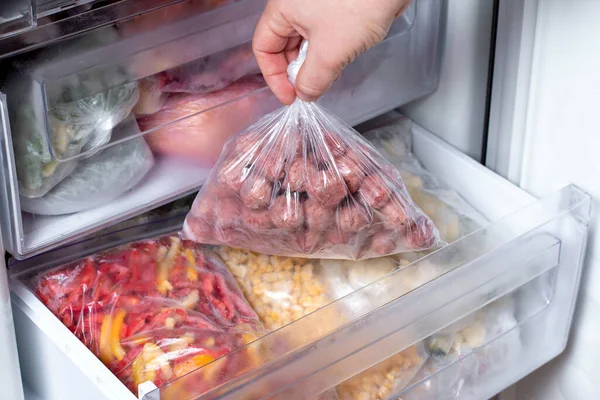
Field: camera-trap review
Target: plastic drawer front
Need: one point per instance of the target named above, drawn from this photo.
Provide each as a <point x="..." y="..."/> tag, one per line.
<point x="118" y="57"/>
<point x="530" y="257"/>
<point x="16" y="16"/>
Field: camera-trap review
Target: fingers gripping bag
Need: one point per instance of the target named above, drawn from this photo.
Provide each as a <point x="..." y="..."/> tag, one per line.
<point x="302" y="183"/>
<point x="155" y="310"/>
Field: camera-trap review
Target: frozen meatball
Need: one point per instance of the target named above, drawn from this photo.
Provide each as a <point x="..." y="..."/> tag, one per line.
<point x="420" y="234"/>
<point x="394" y="215"/>
<point x="353" y="217"/>
<point x="231" y="176"/>
<point x="316" y="216"/>
<point x="295" y="177"/>
<point x="326" y="187"/>
<point x="287" y="211"/>
<point x="256" y="193"/>
<point x="249" y="142"/>
<point x="351" y="172"/>
<point x="336" y="144"/>
<point x="273" y="167"/>
<point x="383" y="243"/>
<point x="257" y="219"/>
<point x="374" y="191"/>
<point x="228" y="213"/>
<point x="309" y="241"/>
<point x="335" y="237"/>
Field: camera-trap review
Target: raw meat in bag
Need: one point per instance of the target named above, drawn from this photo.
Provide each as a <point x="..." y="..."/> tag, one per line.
<point x="155" y="310"/>
<point x="195" y="126"/>
<point x="97" y="179"/>
<point x="300" y="182"/>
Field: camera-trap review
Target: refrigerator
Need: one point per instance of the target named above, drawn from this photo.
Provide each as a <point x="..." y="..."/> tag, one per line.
<point x="500" y="97"/>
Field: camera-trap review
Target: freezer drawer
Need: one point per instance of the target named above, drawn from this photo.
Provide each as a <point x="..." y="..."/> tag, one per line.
<point x="527" y="261"/>
<point x="69" y="108"/>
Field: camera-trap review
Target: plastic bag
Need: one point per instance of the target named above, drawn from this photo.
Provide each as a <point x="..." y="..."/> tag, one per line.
<point x="80" y="113"/>
<point x="97" y="180"/>
<point x="211" y="73"/>
<point x="280" y="289"/>
<point x="206" y="121"/>
<point x="155" y="310"/>
<point x="459" y="355"/>
<point x="152" y="98"/>
<point x="300" y="182"/>
<point x="451" y="214"/>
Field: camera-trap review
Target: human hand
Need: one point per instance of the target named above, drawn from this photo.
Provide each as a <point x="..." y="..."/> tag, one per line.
<point x="337" y="30"/>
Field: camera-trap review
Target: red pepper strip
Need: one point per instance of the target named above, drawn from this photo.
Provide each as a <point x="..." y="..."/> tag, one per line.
<point x="228" y="297"/>
<point x="134" y="265"/>
<point x="159" y="321"/>
<point x="119" y="272"/>
<point x="198" y="321"/>
<point x="84" y="280"/>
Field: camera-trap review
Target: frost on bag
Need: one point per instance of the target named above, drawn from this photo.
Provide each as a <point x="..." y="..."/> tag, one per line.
<point x="80" y="116"/>
<point x="155" y="310"/>
<point x="211" y="73"/>
<point x="300" y="182"/>
<point x="96" y="181"/>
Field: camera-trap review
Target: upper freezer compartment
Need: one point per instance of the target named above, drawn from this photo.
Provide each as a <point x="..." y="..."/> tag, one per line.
<point x="93" y="93"/>
<point x="54" y="20"/>
<point x="78" y="90"/>
<point x="16" y="16"/>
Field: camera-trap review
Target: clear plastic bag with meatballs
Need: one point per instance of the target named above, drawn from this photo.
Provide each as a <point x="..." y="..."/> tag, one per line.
<point x="302" y="183"/>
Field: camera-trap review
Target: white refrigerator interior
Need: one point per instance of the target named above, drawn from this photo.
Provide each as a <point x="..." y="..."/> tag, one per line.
<point x="10" y="374"/>
<point x="559" y="143"/>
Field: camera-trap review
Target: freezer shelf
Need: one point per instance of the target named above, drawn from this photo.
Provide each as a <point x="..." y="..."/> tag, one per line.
<point x="534" y="255"/>
<point x="370" y="86"/>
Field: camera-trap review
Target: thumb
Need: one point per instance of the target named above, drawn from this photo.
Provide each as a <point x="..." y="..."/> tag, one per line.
<point x="323" y="65"/>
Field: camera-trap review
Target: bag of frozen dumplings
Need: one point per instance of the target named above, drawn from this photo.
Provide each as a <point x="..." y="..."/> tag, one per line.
<point x="302" y="183"/>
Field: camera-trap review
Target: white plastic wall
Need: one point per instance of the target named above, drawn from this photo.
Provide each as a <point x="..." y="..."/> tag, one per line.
<point x="456" y="111"/>
<point x="562" y="145"/>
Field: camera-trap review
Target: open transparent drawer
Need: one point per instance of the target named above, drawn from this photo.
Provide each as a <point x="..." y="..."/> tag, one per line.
<point x="482" y="312"/>
<point x="103" y="92"/>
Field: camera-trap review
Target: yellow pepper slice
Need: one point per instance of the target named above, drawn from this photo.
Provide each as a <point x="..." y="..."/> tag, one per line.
<point x="106" y="354"/>
<point x="147" y="363"/>
<point x="192" y="272"/>
<point x="165" y="263"/>
<point x="192" y="364"/>
<point x="115" y="335"/>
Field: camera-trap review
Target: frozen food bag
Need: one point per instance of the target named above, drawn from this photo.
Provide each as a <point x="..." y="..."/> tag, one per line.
<point x="381" y="381"/>
<point x="451" y="214"/>
<point x="151" y="97"/>
<point x="477" y="344"/>
<point x="194" y="127"/>
<point x="212" y="73"/>
<point x="74" y="117"/>
<point x="154" y="310"/>
<point x="97" y="180"/>
<point x="300" y="182"/>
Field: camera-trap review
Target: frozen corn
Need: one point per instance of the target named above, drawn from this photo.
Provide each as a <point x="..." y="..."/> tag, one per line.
<point x="280" y="289"/>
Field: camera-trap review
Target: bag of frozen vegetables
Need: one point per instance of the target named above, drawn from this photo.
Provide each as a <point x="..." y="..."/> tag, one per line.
<point x="55" y="122"/>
